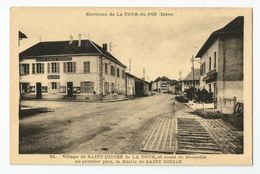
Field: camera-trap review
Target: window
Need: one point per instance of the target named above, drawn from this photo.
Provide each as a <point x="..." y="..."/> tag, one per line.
<point x="55" y="67"/>
<point x="210" y="88"/>
<point x="33" y="68"/>
<point x="106" y="87"/>
<point x="69" y="67"/>
<point x="106" y="72"/>
<point x="87" y="67"/>
<point x="209" y="63"/>
<point x="215" y="59"/>
<point x="117" y="72"/>
<point x="123" y="74"/>
<point x="53" y="85"/>
<point x="24" y="69"/>
<point x="38" y="68"/>
<point x="44" y="89"/>
<point x="87" y="87"/>
<point x="112" y="87"/>
<point x="25" y="87"/>
<point x="113" y="70"/>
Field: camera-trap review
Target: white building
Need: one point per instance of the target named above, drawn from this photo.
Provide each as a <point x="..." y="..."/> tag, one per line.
<point x="191" y="80"/>
<point x="221" y="70"/>
<point x="130" y="85"/>
<point x="161" y="84"/>
<point x="71" y="68"/>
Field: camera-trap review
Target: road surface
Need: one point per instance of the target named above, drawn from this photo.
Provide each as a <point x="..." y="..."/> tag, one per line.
<point x="113" y="127"/>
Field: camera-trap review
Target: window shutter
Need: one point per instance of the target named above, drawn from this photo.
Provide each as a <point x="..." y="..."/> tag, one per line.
<point x="48" y="68"/>
<point x="33" y="68"/>
<point x="42" y="67"/>
<point x="88" y="66"/>
<point x="64" y="66"/>
<point x="85" y="67"/>
<point x="58" y="86"/>
<point x="74" y="66"/>
<point x="58" y="67"/>
<point x="49" y="87"/>
<point x="28" y="69"/>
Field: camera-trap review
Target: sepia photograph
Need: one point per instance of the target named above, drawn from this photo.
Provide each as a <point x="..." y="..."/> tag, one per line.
<point x="163" y="86"/>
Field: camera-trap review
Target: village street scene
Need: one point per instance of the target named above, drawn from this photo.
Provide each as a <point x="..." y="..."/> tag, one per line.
<point x="77" y="95"/>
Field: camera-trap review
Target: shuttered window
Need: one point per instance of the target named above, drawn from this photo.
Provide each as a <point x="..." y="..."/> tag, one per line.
<point x="39" y="68"/>
<point x="24" y="69"/>
<point x="87" y="87"/>
<point x="69" y="67"/>
<point x="113" y="71"/>
<point x="55" y="67"/>
<point x="87" y="67"/>
<point x="106" y="71"/>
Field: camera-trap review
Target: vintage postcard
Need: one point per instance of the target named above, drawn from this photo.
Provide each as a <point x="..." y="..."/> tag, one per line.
<point x="131" y="86"/>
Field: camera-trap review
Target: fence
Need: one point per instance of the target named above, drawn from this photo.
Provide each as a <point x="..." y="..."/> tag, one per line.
<point x="230" y="106"/>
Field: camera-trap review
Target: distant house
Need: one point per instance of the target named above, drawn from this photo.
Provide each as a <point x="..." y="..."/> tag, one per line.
<point x="161" y="84"/>
<point x="175" y="87"/>
<point x="73" y="68"/>
<point x="136" y="87"/>
<point x="191" y="80"/>
<point x="130" y="85"/>
<point x="221" y="69"/>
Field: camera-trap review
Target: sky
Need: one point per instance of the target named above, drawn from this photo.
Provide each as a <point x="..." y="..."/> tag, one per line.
<point x="163" y="45"/>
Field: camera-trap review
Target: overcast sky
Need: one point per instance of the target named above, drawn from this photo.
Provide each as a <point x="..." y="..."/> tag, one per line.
<point x="161" y="45"/>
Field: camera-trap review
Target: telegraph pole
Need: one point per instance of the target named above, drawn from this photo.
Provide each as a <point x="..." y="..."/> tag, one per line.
<point x="193" y="76"/>
<point x="129" y="65"/>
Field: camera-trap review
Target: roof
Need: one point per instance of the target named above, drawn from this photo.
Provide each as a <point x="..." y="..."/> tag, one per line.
<point x="136" y="78"/>
<point x="173" y="82"/>
<point x="58" y="48"/>
<point x="235" y="27"/>
<point x="163" y="78"/>
<point x="190" y="75"/>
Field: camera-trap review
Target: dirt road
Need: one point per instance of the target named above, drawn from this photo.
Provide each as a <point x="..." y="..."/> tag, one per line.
<point x="78" y="127"/>
<point x="144" y="125"/>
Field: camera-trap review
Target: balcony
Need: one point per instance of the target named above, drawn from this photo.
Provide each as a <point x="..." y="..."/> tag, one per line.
<point x="211" y="76"/>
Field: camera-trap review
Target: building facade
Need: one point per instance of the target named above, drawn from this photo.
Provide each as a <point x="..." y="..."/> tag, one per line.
<point x="80" y="69"/>
<point x="136" y="87"/>
<point x="175" y="87"/>
<point x="222" y="65"/>
<point x="161" y="84"/>
<point x="130" y="85"/>
<point x="191" y="80"/>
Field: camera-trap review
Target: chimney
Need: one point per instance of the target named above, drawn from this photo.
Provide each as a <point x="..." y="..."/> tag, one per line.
<point x="71" y="39"/>
<point x="79" y="44"/>
<point x="105" y="46"/>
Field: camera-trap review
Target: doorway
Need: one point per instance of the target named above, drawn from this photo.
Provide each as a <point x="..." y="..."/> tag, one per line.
<point x="38" y="90"/>
<point x="70" y="89"/>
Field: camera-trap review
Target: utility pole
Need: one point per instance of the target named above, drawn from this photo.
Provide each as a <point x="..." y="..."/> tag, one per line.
<point x="143" y="80"/>
<point x="193" y="76"/>
<point x="144" y="73"/>
<point x="129" y="65"/>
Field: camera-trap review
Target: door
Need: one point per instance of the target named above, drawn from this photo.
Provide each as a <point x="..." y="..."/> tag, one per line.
<point x="70" y="89"/>
<point x="38" y="90"/>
